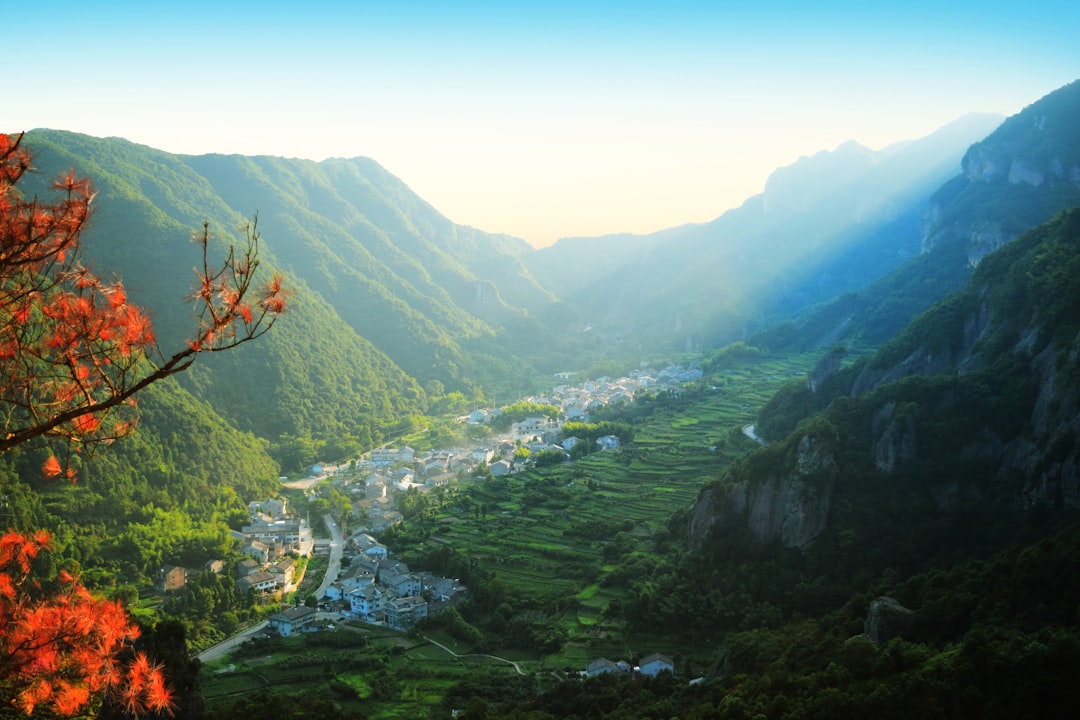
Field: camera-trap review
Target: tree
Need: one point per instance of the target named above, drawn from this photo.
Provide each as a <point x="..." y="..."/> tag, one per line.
<point x="73" y="350"/>
<point x="60" y="647"/>
<point x="73" y="353"/>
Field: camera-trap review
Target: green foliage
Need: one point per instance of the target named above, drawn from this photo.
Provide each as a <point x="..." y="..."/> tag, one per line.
<point x="518" y="411"/>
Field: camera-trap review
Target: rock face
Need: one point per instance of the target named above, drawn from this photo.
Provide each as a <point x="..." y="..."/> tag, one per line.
<point x="895" y="443"/>
<point x="825" y="369"/>
<point x="791" y="506"/>
<point x="886" y="619"/>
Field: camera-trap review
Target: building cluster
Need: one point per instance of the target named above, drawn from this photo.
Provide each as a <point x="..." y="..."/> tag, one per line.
<point x="273" y="532"/>
<point x="377" y="589"/>
<point x="271" y="540"/>
<point x="651" y="665"/>
<point x="174" y="578"/>
<point x="375" y="480"/>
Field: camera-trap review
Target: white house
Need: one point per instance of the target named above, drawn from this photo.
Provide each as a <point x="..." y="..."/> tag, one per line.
<point x="404" y="612"/>
<point x="599" y="666"/>
<point x="258" y="551"/>
<point x="607" y="442"/>
<point x="389" y="456"/>
<point x="258" y="581"/>
<point x="400" y="584"/>
<point x="655" y="664"/>
<point x="499" y="468"/>
<point x="530" y="426"/>
<point x="482" y="454"/>
<point x="574" y="412"/>
<point x="365" y="602"/>
<point x="370" y="546"/>
<point x="356" y="576"/>
<point x="292" y="620"/>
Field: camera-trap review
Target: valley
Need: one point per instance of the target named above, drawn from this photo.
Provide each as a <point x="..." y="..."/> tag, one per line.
<point x="543" y="552"/>
<point x="837" y="472"/>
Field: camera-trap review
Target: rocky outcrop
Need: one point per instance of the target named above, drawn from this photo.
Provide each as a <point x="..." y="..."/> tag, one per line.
<point x="705" y="515"/>
<point x="1021" y="171"/>
<point x="825" y="369"/>
<point x="791" y="506"/>
<point x="921" y="361"/>
<point x="895" y="438"/>
<point x="886" y="619"/>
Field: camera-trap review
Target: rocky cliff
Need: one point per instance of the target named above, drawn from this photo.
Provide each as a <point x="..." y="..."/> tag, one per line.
<point x="1017" y="177"/>
<point x="789" y="504"/>
<point x="974" y="408"/>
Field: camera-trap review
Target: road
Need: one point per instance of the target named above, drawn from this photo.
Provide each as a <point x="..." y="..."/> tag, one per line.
<point x="337" y="545"/>
<point x="227" y="646"/>
<point x="749" y="431"/>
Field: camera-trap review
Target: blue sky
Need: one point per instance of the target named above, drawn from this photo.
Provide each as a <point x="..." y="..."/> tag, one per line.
<point x="571" y="118"/>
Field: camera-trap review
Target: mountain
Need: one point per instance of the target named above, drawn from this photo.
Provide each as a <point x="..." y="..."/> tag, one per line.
<point x="1019" y="176"/>
<point x="392" y="297"/>
<point x="384" y="296"/>
<point x="976" y="403"/>
<point x="906" y="543"/>
<point x="829" y="223"/>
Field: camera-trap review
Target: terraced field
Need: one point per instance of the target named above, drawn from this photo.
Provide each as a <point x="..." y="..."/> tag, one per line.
<point x="551" y="537"/>
<point x="545" y="534"/>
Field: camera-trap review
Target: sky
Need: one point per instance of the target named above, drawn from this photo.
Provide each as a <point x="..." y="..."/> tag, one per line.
<point x="535" y="120"/>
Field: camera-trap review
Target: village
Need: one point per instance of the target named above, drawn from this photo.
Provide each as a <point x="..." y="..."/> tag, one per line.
<point x="364" y="582"/>
<point x="387" y="471"/>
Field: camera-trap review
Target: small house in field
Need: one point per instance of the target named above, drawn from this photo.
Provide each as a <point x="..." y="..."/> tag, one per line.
<point x="607" y="442"/>
<point x="599" y="666"/>
<point x="171" y="578"/>
<point x="292" y="620"/>
<point x="655" y="664"/>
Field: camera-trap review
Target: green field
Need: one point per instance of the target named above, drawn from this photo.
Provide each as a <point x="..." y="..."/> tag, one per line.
<point x="551" y="537"/>
<point x="546" y="534"/>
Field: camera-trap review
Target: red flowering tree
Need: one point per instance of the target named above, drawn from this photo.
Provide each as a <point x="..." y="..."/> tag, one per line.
<point x="73" y="350"/>
<point x="73" y="353"/>
<point x="61" y="648"/>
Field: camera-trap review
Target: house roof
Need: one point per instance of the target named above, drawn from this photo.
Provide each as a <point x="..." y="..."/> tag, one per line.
<point x="293" y="614"/>
<point x="656" y="657"/>
<point x="601" y="664"/>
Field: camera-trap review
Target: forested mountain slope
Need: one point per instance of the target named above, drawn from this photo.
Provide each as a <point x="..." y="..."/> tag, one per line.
<point x="1024" y="173"/>
<point x="827" y="224"/>
<point x="383" y="301"/>
<point x="976" y="402"/>
<point x="943" y="471"/>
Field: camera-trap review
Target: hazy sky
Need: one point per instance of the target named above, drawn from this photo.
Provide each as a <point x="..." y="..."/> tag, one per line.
<point x="567" y="118"/>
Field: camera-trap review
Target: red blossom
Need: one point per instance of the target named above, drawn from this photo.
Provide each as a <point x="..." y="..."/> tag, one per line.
<point x="57" y="652"/>
<point x="72" y="347"/>
<point x="51" y="468"/>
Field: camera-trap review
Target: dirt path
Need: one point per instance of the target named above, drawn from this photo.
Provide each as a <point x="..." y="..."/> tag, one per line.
<point x="492" y="657"/>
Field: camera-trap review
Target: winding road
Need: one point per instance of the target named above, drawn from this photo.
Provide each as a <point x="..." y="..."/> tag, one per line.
<point x="749" y="431"/>
<point x="492" y="657"/>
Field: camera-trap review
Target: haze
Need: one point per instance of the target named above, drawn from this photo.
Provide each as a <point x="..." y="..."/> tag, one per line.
<point x="536" y="122"/>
